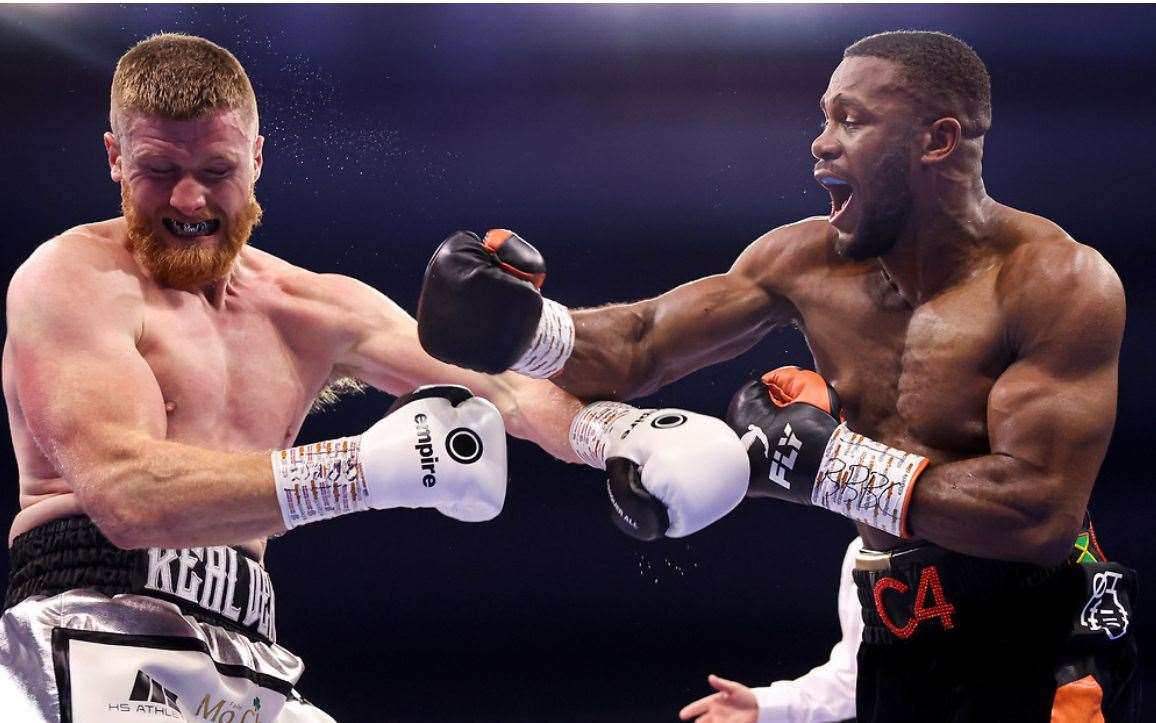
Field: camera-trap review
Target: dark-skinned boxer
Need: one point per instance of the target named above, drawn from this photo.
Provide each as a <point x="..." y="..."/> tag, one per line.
<point x="973" y="350"/>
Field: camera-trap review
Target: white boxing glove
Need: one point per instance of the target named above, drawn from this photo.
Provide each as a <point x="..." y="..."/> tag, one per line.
<point x="671" y="472"/>
<point x="438" y="446"/>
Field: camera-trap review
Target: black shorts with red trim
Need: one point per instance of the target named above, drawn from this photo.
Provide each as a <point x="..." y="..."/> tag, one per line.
<point x="950" y="637"/>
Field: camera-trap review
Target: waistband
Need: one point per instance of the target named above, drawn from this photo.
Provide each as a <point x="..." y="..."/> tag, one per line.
<point x="219" y="585"/>
<point x="927" y="593"/>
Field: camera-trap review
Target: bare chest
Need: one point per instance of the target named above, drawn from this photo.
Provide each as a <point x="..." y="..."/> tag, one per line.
<point x="913" y="378"/>
<point x="239" y="379"/>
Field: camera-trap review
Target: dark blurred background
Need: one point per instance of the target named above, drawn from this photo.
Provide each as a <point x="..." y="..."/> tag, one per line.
<point x="639" y="147"/>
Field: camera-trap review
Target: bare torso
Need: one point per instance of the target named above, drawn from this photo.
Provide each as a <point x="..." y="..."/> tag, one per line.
<point x="914" y="378"/>
<point x="237" y="378"/>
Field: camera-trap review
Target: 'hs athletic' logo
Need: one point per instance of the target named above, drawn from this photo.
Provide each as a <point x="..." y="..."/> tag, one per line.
<point x="783" y="458"/>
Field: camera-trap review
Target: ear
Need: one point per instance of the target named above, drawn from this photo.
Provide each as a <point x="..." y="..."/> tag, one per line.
<point x="942" y="139"/>
<point x="112" y="147"/>
<point x="258" y="157"/>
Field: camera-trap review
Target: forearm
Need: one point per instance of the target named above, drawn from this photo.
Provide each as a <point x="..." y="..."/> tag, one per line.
<point x="541" y="413"/>
<point x="996" y="506"/>
<point x="612" y="357"/>
<point x="160" y="493"/>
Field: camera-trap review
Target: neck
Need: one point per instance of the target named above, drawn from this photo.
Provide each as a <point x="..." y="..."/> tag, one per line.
<point x="940" y="244"/>
<point x="214" y="291"/>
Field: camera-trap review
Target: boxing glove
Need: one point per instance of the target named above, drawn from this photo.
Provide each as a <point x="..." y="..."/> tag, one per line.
<point x="438" y="447"/>
<point x="480" y="307"/>
<point x="789" y="421"/>
<point x="669" y="472"/>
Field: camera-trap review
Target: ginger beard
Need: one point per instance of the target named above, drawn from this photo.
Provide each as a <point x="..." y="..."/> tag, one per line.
<point x="190" y="265"/>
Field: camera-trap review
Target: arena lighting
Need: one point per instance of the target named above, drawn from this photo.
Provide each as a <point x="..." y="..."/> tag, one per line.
<point x="43" y="24"/>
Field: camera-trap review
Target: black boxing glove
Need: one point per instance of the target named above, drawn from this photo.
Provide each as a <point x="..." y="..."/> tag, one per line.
<point x="480" y="307"/>
<point x="799" y="451"/>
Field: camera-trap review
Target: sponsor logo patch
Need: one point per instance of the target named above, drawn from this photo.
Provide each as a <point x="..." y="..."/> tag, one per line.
<point x="668" y="421"/>
<point x="1104" y="610"/>
<point x="783" y="458"/>
<point x="464" y="445"/>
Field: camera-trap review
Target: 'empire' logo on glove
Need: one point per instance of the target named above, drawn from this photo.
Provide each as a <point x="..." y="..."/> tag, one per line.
<point x="424" y="449"/>
<point x="463" y="445"/>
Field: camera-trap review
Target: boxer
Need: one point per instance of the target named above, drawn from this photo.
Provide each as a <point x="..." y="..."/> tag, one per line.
<point x="970" y="354"/>
<point x="157" y="370"/>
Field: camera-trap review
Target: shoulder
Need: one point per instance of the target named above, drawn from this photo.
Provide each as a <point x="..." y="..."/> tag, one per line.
<point x="335" y="297"/>
<point x="327" y="288"/>
<point x="810" y="239"/>
<point x="792" y="252"/>
<point x="1051" y="283"/>
<point x="1043" y="264"/>
<point x="86" y="262"/>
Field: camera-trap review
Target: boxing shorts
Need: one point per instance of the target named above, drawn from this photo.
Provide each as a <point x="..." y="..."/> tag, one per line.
<point x="95" y="634"/>
<point x="950" y="637"/>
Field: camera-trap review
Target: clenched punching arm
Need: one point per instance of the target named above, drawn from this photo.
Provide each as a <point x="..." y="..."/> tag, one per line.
<point x="480" y="308"/>
<point x="671" y="472"/>
<point x="1049" y="419"/>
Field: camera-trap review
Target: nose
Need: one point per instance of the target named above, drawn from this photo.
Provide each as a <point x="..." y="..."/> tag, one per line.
<point x="188" y="196"/>
<point x="825" y="147"/>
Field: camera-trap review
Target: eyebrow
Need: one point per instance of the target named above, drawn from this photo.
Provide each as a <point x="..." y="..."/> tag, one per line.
<point x="839" y="98"/>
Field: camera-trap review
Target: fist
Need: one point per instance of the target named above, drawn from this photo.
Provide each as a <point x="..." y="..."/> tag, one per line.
<point x="440" y="447"/>
<point x="479" y="306"/>
<point x="785" y="420"/>
<point x="670" y="472"/>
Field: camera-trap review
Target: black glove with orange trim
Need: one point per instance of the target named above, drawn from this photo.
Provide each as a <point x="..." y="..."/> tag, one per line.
<point x="799" y="450"/>
<point x="480" y="307"/>
<point x="785" y="419"/>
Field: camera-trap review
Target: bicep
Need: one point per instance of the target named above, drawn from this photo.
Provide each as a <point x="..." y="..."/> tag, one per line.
<point x="1054" y="407"/>
<point x="82" y="385"/>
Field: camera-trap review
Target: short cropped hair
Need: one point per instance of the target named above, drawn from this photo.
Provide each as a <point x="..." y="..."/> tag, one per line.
<point x="941" y="70"/>
<point x="179" y="77"/>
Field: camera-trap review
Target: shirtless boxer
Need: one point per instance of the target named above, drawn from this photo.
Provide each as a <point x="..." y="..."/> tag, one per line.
<point x="154" y="360"/>
<point x="974" y="351"/>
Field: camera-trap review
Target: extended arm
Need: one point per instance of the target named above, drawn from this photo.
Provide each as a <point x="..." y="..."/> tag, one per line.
<point x="671" y="475"/>
<point x="480" y="308"/>
<point x="386" y="354"/>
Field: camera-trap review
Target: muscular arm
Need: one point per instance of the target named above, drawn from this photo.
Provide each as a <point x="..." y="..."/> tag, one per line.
<point x="94" y="410"/>
<point x="1050" y="416"/>
<point x="630" y="350"/>
<point x="386" y="354"/>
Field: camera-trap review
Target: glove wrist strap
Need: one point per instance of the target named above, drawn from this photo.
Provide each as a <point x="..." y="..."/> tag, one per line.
<point x="867" y="481"/>
<point x="319" y="481"/>
<point x="591" y="429"/>
<point x="552" y="345"/>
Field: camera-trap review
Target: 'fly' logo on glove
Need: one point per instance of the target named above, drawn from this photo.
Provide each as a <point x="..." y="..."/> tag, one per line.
<point x="783" y="458"/>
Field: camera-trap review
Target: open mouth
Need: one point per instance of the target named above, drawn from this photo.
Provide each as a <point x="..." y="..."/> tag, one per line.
<point x="195" y="229"/>
<point x="841" y="194"/>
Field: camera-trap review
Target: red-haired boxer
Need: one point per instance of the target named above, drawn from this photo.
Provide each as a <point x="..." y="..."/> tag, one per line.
<point x="157" y="371"/>
<point x="974" y="348"/>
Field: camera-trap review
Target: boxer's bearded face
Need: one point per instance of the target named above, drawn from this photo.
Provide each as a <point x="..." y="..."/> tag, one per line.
<point x="863" y="157"/>
<point x="183" y="262"/>
<point x="187" y="195"/>
<point x="886" y="205"/>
